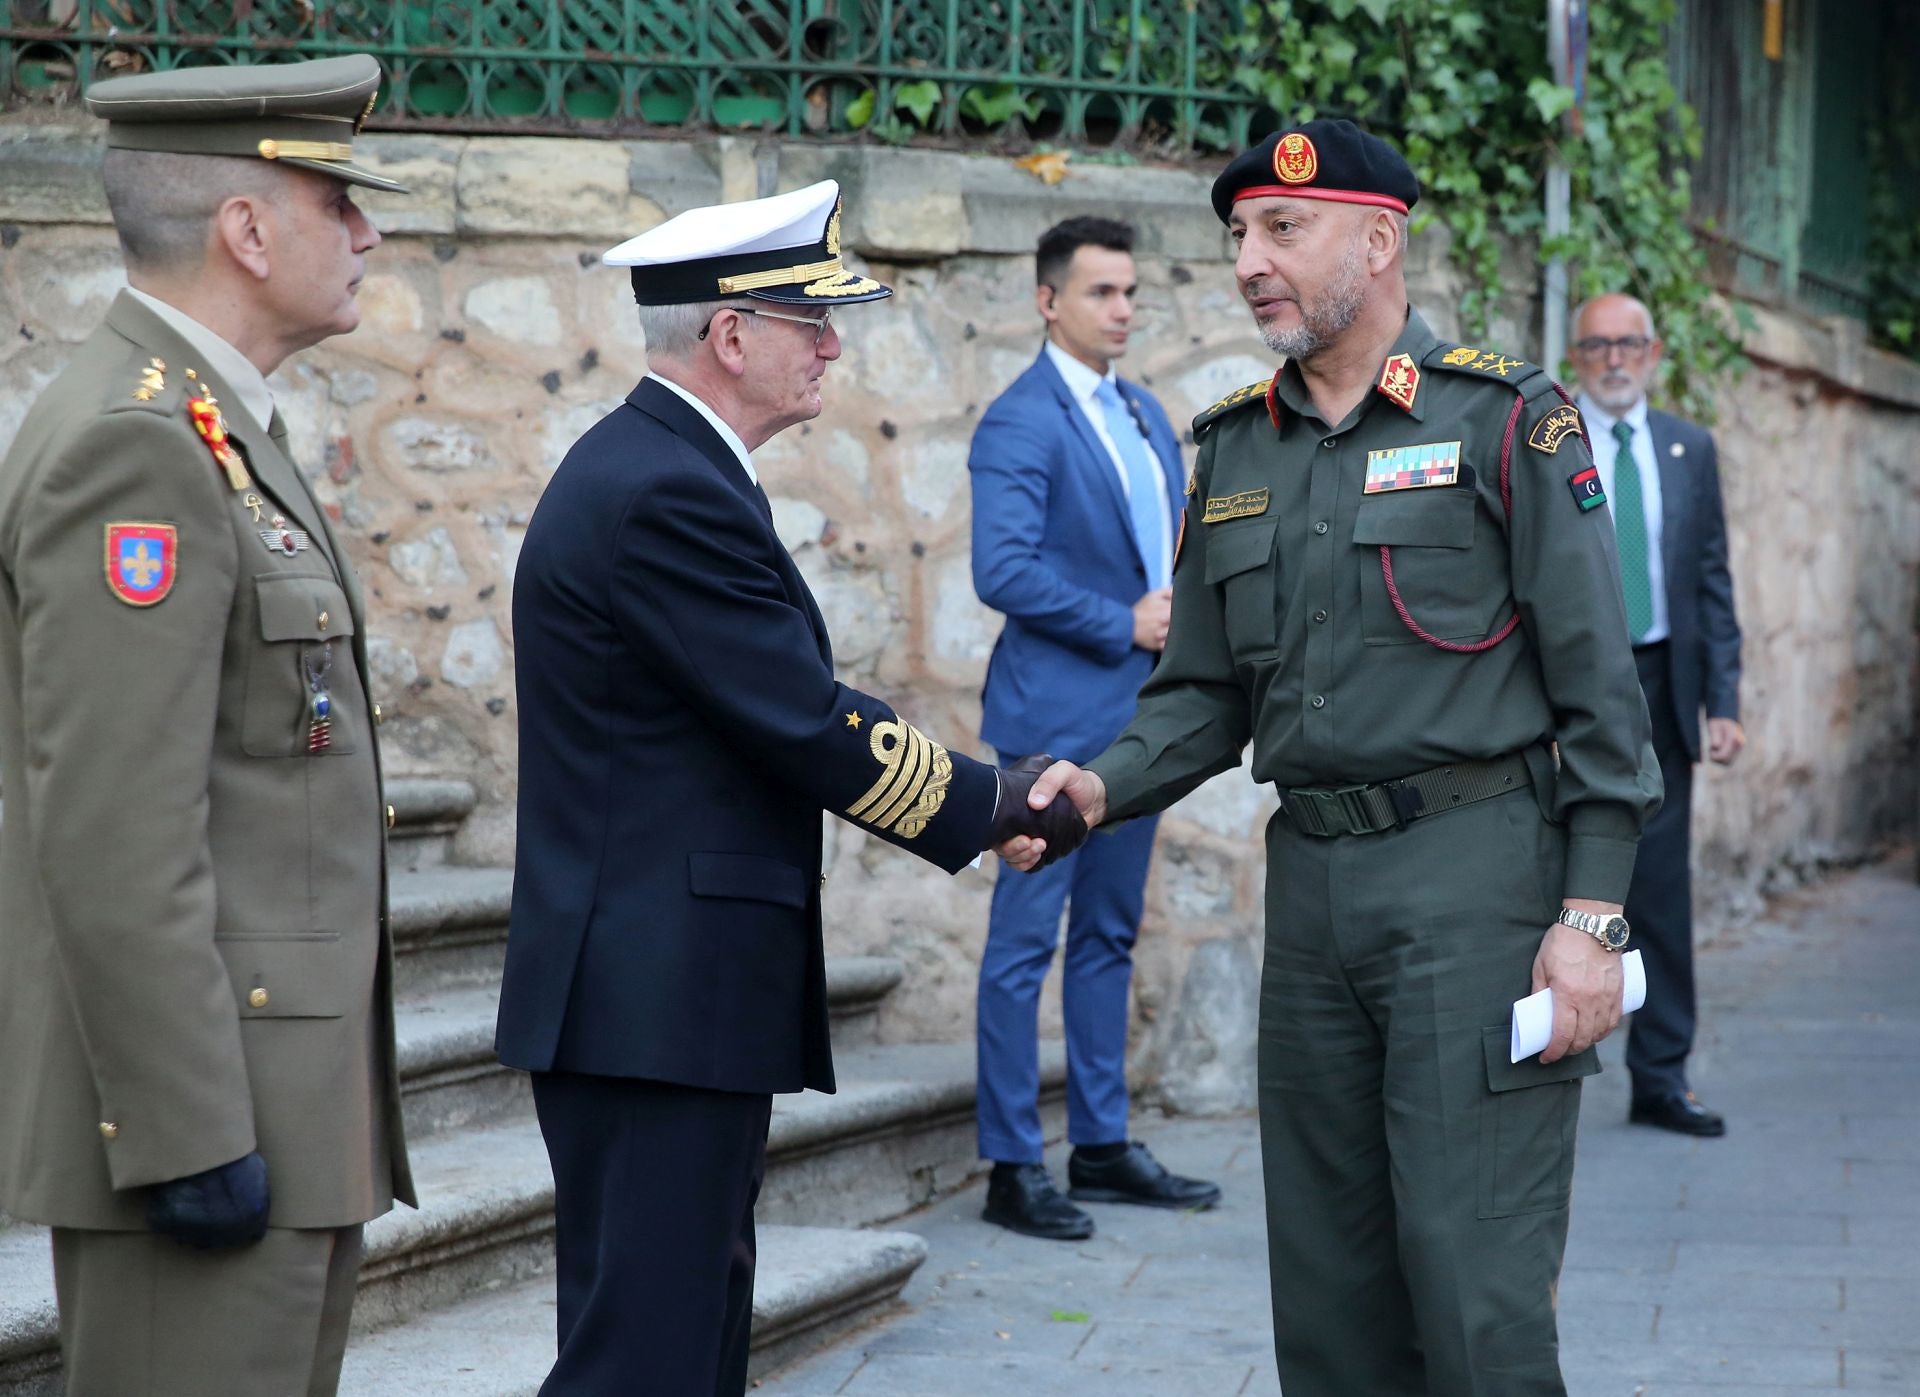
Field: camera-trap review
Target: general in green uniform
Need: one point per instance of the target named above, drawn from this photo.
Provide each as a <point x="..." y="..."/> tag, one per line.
<point x="1405" y="603"/>
<point x="200" y="1094"/>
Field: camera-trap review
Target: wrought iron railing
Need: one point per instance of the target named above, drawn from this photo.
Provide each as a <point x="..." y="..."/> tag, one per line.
<point x="1139" y="72"/>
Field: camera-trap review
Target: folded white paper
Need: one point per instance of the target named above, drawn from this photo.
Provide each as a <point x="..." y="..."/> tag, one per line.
<point x="1533" y="1016"/>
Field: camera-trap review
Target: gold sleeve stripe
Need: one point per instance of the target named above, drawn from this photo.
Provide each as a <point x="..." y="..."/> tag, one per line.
<point x="916" y="772"/>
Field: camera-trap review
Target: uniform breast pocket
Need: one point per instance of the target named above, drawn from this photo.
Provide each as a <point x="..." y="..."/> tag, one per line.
<point x="1242" y="564"/>
<point x="1452" y="589"/>
<point x="305" y="645"/>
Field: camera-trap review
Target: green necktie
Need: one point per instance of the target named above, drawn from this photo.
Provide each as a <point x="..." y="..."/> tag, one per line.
<point x="1630" y="532"/>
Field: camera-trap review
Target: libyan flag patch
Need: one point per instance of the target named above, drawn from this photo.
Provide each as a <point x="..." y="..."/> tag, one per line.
<point x="1586" y="488"/>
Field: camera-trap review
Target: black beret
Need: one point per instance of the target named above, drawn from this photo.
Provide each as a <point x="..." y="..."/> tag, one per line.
<point x="1328" y="158"/>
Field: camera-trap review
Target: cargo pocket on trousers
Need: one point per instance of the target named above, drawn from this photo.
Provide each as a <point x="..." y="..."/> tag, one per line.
<point x="1527" y="1127"/>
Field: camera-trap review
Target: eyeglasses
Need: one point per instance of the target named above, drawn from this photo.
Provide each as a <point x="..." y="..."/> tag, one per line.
<point x="1598" y="347"/>
<point x="818" y="326"/>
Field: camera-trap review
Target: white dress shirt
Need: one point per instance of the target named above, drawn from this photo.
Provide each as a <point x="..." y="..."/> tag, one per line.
<point x="1605" y="449"/>
<point x="1083" y="384"/>
<point x="256" y="399"/>
<point x="727" y="434"/>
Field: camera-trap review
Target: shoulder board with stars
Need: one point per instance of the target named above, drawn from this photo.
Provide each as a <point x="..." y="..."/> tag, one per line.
<point x="1483" y="363"/>
<point x="1239" y="397"/>
<point x="151" y="387"/>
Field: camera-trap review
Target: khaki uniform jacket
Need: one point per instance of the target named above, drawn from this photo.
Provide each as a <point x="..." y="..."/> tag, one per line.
<point x="194" y="956"/>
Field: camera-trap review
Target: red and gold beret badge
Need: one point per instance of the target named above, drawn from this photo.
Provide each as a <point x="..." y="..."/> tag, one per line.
<point x="1295" y="160"/>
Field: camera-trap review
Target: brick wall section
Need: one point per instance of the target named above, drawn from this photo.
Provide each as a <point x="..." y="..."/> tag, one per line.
<point x="492" y="338"/>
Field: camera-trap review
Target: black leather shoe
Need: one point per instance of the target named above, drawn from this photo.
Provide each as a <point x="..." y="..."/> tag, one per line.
<point x="1022" y="1198"/>
<point x="1681" y="1114"/>
<point x="1135" y="1177"/>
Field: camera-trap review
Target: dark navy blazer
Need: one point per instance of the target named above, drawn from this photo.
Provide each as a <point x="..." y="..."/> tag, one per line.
<point x="1053" y="549"/>
<point x="1704" y="645"/>
<point x="680" y="732"/>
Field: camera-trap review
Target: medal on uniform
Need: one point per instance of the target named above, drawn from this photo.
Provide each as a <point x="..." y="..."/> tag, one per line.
<point x="1412" y="467"/>
<point x="281" y="539"/>
<point x="317" y="663"/>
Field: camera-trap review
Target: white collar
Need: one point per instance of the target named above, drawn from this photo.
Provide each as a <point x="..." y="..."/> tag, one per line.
<point x="727" y="434"/>
<point x="221" y="358"/>
<point x="1081" y="381"/>
<point x="1635" y="416"/>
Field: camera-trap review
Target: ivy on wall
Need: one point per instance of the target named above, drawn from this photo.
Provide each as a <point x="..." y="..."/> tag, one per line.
<point x="1464" y="88"/>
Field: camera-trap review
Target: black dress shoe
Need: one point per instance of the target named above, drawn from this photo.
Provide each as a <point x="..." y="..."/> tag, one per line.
<point x="1682" y="1114"/>
<point x="1135" y="1177"/>
<point x="1022" y="1198"/>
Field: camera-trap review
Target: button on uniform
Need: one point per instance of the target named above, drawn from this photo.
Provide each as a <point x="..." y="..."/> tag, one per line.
<point x="320" y="621"/>
<point x="258" y="997"/>
<point x="109" y="1131"/>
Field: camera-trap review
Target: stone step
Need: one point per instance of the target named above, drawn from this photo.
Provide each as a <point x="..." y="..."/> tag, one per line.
<point x="449" y="926"/>
<point x="486" y="1228"/>
<point x="426" y="815"/>
<point x="810" y="1286"/>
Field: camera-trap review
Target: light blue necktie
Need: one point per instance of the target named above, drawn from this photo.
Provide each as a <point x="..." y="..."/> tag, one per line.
<point x="1143" y="481"/>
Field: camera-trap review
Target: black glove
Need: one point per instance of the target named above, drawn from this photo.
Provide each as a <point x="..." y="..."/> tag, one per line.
<point x="1059" y="824"/>
<point x="225" y="1206"/>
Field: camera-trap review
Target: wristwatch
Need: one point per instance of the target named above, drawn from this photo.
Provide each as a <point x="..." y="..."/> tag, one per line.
<point x="1610" y="932"/>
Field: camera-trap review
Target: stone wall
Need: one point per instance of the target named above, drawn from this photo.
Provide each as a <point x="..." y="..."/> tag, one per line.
<point x="492" y="338"/>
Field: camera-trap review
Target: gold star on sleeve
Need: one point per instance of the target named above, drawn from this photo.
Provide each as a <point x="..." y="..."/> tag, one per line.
<point x="853" y="720"/>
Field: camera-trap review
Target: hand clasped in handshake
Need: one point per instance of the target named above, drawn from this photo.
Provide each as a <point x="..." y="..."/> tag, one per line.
<point x="1045" y="810"/>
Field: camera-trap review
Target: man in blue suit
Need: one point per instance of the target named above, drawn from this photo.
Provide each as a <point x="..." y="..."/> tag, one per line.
<point x="1076" y="500"/>
<point x="1662" y="475"/>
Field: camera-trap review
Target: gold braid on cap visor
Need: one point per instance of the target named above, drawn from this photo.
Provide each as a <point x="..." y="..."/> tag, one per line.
<point x="305" y="150"/>
<point x="780" y="276"/>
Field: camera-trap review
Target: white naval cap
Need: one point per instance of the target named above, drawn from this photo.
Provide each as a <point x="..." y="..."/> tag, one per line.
<point x="785" y="248"/>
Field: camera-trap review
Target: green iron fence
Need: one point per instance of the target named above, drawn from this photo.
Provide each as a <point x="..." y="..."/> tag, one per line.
<point x="1146" y="72"/>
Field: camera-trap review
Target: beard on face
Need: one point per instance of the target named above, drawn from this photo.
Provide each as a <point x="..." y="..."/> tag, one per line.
<point x="1329" y="315"/>
<point x="1616" y="390"/>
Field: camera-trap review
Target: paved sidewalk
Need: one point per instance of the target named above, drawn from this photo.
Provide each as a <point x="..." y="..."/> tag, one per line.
<point x="1782" y="1260"/>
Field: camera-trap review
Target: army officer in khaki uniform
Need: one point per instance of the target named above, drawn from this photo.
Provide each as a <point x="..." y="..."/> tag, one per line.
<point x="195" y="1011"/>
<point x="1399" y="585"/>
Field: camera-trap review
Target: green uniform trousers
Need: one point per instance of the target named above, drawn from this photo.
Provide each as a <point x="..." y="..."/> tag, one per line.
<point x="1417" y="1182"/>
<point x="143" y="1316"/>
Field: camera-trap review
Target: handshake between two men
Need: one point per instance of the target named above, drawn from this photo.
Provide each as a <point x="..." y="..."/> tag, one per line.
<point x="1045" y="811"/>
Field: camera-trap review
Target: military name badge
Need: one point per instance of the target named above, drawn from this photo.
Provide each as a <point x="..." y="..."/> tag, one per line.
<point x="1587" y="491"/>
<point x="1244" y="505"/>
<point x="1553" y="429"/>
<point x="142" y="561"/>
<point x="1412" y="467"/>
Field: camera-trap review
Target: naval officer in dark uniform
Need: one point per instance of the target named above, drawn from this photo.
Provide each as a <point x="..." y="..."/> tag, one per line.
<point x="1399" y="583"/>
<point x="680" y="732"/>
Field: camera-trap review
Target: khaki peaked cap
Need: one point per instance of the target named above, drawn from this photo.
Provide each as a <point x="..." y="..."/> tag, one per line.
<point x="304" y="114"/>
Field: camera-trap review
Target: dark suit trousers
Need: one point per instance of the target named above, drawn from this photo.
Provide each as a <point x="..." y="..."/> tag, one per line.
<point x="1660" y="902"/>
<point x="654" y="1187"/>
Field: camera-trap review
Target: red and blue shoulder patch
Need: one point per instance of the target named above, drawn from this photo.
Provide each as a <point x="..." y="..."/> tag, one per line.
<point x="142" y="561"/>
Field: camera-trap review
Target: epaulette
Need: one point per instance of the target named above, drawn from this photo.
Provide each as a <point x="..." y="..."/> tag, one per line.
<point x="1487" y="363"/>
<point x="155" y="388"/>
<point x="149" y="387"/>
<point x="1239" y="397"/>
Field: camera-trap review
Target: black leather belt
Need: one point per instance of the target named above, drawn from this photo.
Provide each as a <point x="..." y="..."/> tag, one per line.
<point x="1329" y="812"/>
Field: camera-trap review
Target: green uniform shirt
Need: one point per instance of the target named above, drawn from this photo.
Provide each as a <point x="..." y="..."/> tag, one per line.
<point x="1285" y="631"/>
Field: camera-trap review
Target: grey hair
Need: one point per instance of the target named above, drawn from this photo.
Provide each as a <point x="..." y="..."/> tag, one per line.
<point x="1580" y="311"/>
<point x="673" y="331"/>
<point x="163" y="202"/>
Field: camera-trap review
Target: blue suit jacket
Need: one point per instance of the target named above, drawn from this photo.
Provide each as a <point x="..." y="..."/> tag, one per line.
<point x="1053" y="549"/>
<point x="681" y="730"/>
<point x="1704" y="647"/>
